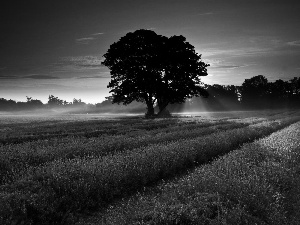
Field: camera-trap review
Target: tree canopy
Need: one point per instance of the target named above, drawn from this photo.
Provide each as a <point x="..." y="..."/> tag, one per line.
<point x="154" y="69"/>
<point x="255" y="90"/>
<point x="54" y="101"/>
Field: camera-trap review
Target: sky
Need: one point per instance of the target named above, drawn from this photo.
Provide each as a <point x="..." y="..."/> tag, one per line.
<point x="51" y="47"/>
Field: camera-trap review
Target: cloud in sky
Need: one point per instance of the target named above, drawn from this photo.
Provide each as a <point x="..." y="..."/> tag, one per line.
<point x="85" y="40"/>
<point x="88" y="61"/>
<point x="78" y="66"/>
<point x="105" y="75"/>
<point x="89" y="39"/>
<point x="8" y="77"/>
<point x="205" y="14"/>
<point x="40" y="77"/>
<point x="229" y="66"/>
<point x="31" y="76"/>
<point x="294" y="43"/>
<point x="96" y="34"/>
<point x="237" y="52"/>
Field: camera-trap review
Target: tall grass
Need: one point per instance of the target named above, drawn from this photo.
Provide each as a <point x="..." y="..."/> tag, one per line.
<point x="56" y="191"/>
<point x="20" y="133"/>
<point x="257" y="184"/>
<point x="20" y="156"/>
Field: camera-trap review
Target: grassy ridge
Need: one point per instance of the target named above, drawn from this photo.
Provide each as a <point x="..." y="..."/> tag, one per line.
<point x="257" y="184"/>
<point x="15" y="158"/>
<point x="56" y="128"/>
<point x="20" y="133"/>
<point x="49" y="193"/>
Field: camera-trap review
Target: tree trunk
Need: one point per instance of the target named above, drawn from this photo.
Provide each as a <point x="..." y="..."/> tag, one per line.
<point x="162" y="106"/>
<point x="150" y="109"/>
<point x="149" y="103"/>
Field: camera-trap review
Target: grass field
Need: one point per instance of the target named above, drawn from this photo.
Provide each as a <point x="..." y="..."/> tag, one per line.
<point x="206" y="168"/>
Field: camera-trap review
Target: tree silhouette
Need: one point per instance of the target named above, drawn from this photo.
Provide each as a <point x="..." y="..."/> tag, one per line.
<point x="33" y="103"/>
<point x="7" y="104"/>
<point x="54" y="101"/>
<point x="222" y="97"/>
<point x="78" y="102"/>
<point x="295" y="86"/>
<point x="255" y="91"/>
<point x="151" y="68"/>
<point x="279" y="94"/>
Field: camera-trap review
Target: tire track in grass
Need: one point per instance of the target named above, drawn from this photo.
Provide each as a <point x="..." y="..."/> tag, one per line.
<point x="257" y="184"/>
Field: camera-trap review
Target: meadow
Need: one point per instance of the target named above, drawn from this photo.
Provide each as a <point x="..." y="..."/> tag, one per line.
<point x="205" y="168"/>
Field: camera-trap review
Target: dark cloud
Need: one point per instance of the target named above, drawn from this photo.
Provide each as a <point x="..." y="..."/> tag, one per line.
<point x="88" y="39"/>
<point x="204" y="14"/>
<point x="32" y="76"/>
<point x="294" y="43"/>
<point x="95" y="77"/>
<point x="41" y="77"/>
<point x="96" y="34"/>
<point x="90" y="66"/>
<point x="85" y="40"/>
<point x="228" y="66"/>
<point x="92" y="62"/>
<point x="8" y="77"/>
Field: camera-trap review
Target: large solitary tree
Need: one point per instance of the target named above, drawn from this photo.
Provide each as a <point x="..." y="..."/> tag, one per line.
<point x="154" y="69"/>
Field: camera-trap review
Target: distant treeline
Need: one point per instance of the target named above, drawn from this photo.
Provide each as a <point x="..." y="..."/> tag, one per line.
<point x="34" y="104"/>
<point x="255" y="93"/>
